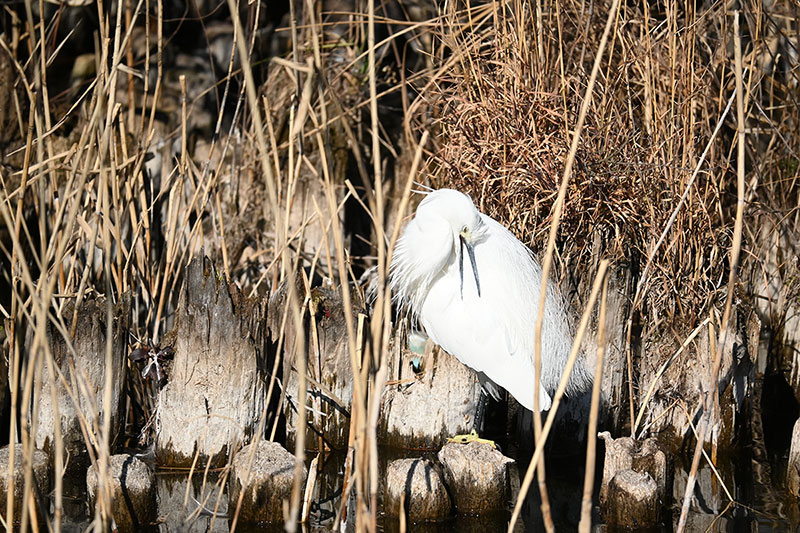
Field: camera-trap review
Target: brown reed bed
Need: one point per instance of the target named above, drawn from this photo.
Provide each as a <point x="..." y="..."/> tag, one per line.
<point x="505" y="109"/>
<point x="110" y="184"/>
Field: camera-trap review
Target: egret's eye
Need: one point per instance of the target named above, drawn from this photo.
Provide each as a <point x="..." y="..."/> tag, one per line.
<point x="464" y="230"/>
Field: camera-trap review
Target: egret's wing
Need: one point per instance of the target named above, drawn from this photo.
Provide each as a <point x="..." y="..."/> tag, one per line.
<point x="484" y="343"/>
<point x="505" y="362"/>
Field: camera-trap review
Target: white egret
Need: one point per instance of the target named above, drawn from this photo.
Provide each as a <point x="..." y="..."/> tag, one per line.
<point x="487" y="320"/>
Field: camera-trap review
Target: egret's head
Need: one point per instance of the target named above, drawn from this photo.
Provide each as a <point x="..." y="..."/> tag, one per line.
<point x="464" y="221"/>
<point x="446" y="223"/>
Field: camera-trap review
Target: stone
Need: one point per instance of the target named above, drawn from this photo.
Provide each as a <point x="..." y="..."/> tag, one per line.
<point x="415" y="487"/>
<point x="269" y="483"/>
<point x="41" y="479"/>
<point x="216" y="389"/>
<point x="132" y="491"/>
<point x="632" y="500"/>
<point x="82" y="362"/>
<point x="477" y="475"/>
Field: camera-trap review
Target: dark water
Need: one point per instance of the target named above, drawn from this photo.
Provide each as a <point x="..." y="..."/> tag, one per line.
<point x="764" y="507"/>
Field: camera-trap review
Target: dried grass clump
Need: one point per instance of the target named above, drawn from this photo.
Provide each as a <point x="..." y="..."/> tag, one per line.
<point x="506" y="103"/>
<point x="504" y="144"/>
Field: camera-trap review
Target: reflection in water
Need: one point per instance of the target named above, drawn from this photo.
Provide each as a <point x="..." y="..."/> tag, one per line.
<point x="765" y="509"/>
<point x="768" y="508"/>
<point x="193" y="511"/>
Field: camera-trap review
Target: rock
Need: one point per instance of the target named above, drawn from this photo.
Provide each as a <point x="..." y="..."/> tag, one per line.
<point x="793" y="467"/>
<point x="41" y="479"/>
<point x="132" y="491"/>
<point x="216" y="389"/>
<point x="477" y="475"/>
<point x="642" y="457"/>
<point x="179" y="515"/>
<point x="632" y="500"/>
<point x="82" y="361"/>
<point x="270" y="481"/>
<point x="417" y="486"/>
<point x="422" y="411"/>
<point x="329" y="366"/>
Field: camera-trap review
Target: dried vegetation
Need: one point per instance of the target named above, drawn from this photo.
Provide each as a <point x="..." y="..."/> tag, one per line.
<point x="122" y="159"/>
<point x="506" y="104"/>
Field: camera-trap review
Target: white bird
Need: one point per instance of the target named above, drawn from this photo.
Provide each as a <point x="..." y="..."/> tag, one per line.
<point x="486" y="319"/>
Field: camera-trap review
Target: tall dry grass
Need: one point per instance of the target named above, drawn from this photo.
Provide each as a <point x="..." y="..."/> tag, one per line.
<point x="622" y="152"/>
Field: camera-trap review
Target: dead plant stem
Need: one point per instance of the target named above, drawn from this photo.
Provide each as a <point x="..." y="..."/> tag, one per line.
<point x="585" y="524"/>
<point x="562" y="387"/>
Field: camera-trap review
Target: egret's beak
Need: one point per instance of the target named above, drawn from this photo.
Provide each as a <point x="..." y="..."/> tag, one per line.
<point x="466" y="243"/>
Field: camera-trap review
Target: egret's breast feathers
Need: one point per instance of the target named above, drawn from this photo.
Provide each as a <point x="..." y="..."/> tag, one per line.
<point x="419" y="256"/>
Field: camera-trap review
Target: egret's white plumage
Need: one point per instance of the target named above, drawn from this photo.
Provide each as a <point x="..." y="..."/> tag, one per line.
<point x="482" y="309"/>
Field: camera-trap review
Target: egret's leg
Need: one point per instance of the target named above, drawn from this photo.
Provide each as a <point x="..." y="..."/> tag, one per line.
<point x="480" y="411"/>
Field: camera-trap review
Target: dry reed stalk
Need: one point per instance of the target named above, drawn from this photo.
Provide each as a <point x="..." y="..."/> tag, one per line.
<point x="60" y="240"/>
<point x="361" y="391"/>
<point x="291" y="521"/>
<point x="585" y="524"/>
<point x="103" y="506"/>
<point x="280" y="240"/>
<point x="382" y="318"/>
<point x="660" y="65"/>
<point x="192" y="467"/>
<point x="16" y="222"/>
<point x="43" y="287"/>
<point x="28" y="443"/>
<point x="297" y="311"/>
